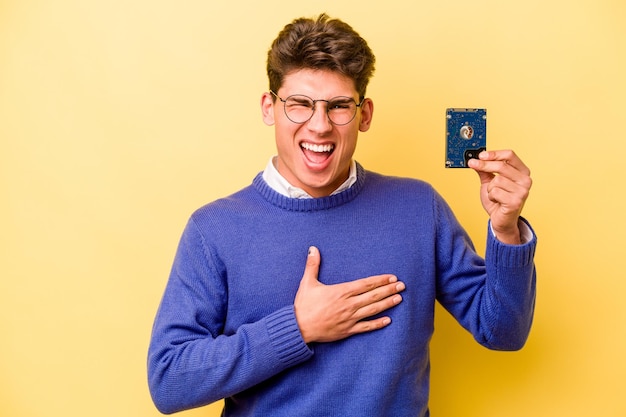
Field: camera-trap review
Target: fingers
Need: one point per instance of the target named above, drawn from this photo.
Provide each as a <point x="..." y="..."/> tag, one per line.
<point x="326" y="313"/>
<point x="369" y="297"/>
<point x="505" y="175"/>
<point x="505" y="163"/>
<point x="373" y="295"/>
<point x="371" y="305"/>
<point x="378" y="299"/>
<point x="502" y="189"/>
<point x="370" y="325"/>
<point x="312" y="268"/>
<point x="366" y="285"/>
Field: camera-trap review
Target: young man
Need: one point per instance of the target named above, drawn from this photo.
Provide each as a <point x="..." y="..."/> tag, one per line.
<point x="312" y="291"/>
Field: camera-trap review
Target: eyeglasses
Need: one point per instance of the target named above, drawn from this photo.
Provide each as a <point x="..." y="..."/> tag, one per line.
<point x="300" y="108"/>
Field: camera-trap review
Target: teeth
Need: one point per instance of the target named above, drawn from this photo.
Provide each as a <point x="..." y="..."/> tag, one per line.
<point x="317" y="148"/>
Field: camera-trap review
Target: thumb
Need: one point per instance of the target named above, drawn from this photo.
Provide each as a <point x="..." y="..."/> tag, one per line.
<point x="312" y="267"/>
<point x="484" y="176"/>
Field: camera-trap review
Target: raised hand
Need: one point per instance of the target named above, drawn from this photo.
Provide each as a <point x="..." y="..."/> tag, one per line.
<point x="505" y="184"/>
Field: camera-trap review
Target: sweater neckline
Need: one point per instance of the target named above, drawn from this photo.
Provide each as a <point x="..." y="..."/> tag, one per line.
<point x="310" y="204"/>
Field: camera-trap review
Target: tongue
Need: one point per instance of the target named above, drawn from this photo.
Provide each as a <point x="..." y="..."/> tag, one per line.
<point x="316" y="157"/>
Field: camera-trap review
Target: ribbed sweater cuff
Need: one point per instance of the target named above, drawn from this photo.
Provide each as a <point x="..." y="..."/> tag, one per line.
<point x="286" y="338"/>
<point x="511" y="255"/>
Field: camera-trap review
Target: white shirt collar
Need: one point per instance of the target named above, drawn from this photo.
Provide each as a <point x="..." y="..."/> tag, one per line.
<point x="278" y="183"/>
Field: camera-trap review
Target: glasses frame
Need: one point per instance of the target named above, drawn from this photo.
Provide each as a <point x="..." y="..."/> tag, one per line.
<point x="284" y="101"/>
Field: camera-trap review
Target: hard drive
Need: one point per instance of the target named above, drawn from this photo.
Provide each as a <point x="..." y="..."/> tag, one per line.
<point x="466" y="135"/>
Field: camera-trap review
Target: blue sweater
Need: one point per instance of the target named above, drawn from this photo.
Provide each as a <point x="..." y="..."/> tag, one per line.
<point x="226" y="326"/>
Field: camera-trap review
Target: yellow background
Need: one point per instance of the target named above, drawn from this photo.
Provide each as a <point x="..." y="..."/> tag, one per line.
<point x="118" y="118"/>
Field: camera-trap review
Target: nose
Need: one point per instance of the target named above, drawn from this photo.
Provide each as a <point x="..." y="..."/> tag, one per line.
<point x="319" y="122"/>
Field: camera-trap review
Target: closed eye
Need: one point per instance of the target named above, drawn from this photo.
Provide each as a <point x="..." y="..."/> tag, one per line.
<point x="299" y="102"/>
<point x="343" y="104"/>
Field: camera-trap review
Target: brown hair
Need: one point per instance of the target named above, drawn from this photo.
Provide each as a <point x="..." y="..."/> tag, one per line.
<point x="321" y="43"/>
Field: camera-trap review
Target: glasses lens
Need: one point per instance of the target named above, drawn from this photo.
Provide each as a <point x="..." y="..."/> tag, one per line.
<point x="298" y="108"/>
<point x="340" y="110"/>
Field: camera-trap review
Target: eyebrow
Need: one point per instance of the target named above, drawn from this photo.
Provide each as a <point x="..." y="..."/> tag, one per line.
<point x="342" y="99"/>
<point x="300" y="98"/>
<point x="304" y="97"/>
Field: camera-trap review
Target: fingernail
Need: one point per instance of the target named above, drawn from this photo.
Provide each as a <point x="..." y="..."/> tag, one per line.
<point x="311" y="250"/>
<point x="400" y="286"/>
<point x="392" y="279"/>
<point x="386" y="321"/>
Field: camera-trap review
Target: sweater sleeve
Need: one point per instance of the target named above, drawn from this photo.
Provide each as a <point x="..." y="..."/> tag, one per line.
<point x="191" y="362"/>
<point x="493" y="298"/>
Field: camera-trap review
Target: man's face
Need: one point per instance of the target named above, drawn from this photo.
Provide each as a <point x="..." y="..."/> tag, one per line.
<point x="315" y="155"/>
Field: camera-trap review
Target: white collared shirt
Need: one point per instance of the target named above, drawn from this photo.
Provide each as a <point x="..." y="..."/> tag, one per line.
<point x="278" y="183"/>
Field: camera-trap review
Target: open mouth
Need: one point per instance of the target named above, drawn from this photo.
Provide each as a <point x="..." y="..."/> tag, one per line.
<point x="317" y="153"/>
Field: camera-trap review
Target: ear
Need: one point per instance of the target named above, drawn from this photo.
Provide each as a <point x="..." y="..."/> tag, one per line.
<point x="267" y="108"/>
<point x="367" y="112"/>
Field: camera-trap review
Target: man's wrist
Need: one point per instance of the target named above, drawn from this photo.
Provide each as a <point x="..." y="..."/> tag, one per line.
<point x="511" y="238"/>
<point x="522" y="234"/>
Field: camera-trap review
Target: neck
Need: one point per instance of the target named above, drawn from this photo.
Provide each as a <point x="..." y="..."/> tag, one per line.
<point x="312" y="190"/>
